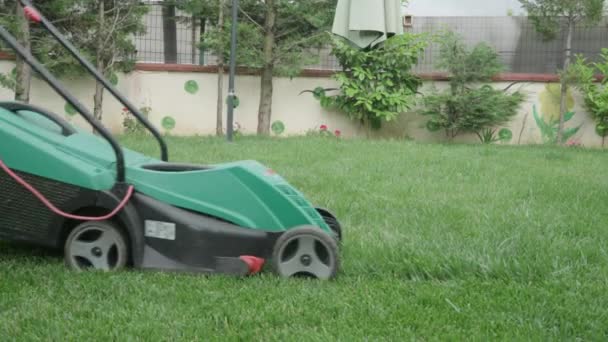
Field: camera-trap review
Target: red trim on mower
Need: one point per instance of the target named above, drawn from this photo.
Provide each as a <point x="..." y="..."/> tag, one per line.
<point x="255" y="264"/>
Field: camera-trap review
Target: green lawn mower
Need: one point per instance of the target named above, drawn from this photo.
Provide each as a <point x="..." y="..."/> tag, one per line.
<point x="109" y="207"/>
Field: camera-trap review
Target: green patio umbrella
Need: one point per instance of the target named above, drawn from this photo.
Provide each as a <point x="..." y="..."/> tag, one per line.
<point x="367" y="23"/>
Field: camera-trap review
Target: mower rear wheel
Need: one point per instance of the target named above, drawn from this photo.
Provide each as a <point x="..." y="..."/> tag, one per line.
<point x="96" y="246"/>
<point x="306" y="251"/>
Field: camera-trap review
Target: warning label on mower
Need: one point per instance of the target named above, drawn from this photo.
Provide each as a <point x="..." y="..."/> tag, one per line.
<point x="160" y="230"/>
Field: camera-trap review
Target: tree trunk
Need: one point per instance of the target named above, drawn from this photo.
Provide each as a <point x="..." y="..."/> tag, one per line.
<point x="23" y="70"/>
<point x="194" y="48"/>
<point x="220" y="75"/>
<point x="265" y="111"/>
<point x="563" y="108"/>
<point x="169" y="34"/>
<point x="99" y="89"/>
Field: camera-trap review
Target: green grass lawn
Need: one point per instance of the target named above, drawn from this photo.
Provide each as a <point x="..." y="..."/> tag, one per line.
<point x="441" y="242"/>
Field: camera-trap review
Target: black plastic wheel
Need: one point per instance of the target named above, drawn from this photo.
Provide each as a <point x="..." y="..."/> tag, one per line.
<point x="96" y="246"/>
<point x="306" y="251"/>
<point x="331" y="220"/>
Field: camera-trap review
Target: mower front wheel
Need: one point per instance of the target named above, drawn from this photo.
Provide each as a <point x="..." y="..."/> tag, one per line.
<point x="96" y="246"/>
<point x="306" y="251"/>
<point x="331" y="220"/>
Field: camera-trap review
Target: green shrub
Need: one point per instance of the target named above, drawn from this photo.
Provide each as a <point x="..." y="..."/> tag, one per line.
<point x="130" y="123"/>
<point x="468" y="106"/>
<point x="375" y="85"/>
<point x="595" y="94"/>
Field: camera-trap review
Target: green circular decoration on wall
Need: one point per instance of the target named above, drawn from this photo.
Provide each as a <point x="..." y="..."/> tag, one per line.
<point x="601" y="130"/>
<point x="505" y="134"/>
<point x="168" y="123"/>
<point x="433" y="126"/>
<point x="278" y="127"/>
<point x="113" y="79"/>
<point x="236" y="100"/>
<point x="69" y="110"/>
<point x="191" y="87"/>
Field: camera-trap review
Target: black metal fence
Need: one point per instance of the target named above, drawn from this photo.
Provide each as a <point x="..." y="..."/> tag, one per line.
<point x="520" y="47"/>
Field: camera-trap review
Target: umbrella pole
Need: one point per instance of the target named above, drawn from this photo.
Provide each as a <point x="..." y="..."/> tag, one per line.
<point x="231" y="90"/>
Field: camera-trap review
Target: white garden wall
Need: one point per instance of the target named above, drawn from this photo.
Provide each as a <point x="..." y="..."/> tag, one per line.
<point x="189" y="98"/>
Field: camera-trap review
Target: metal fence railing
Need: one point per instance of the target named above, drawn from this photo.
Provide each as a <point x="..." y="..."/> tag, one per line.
<point x="519" y="46"/>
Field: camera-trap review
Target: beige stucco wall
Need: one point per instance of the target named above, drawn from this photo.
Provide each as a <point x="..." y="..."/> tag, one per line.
<point x="165" y="93"/>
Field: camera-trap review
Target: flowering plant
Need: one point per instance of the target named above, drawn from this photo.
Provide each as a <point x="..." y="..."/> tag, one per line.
<point x="324" y="131"/>
<point x="131" y="124"/>
<point x="574" y="143"/>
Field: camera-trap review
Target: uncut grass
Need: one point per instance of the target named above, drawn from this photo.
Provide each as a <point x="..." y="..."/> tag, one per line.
<point x="441" y="241"/>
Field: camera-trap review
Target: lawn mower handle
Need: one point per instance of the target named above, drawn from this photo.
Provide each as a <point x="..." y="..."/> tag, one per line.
<point x="34" y="15"/>
<point x="58" y="87"/>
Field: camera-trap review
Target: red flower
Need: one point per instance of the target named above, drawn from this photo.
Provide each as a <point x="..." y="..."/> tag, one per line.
<point x="125" y="109"/>
<point x="323" y="127"/>
<point x="338" y="133"/>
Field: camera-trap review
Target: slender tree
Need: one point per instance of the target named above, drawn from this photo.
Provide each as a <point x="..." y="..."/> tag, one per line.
<point x="12" y="16"/>
<point x="278" y="37"/>
<point x="550" y="17"/>
<point x="23" y="71"/>
<point x="104" y="34"/>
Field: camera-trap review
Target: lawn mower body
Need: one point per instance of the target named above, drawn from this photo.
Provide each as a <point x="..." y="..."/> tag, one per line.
<point x="182" y="216"/>
<point x="225" y="218"/>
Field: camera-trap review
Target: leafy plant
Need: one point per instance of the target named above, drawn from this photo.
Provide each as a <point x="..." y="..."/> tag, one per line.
<point x="467" y="107"/>
<point x="550" y="17"/>
<point x="8" y="81"/>
<point x="549" y="130"/>
<point x="489" y="135"/>
<point x="375" y="85"/>
<point x="131" y="125"/>
<point x="595" y="94"/>
<point x="324" y="131"/>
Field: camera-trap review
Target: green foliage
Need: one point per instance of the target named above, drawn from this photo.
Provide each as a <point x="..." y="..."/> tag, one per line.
<point x="489" y="135"/>
<point x="595" y="94"/>
<point x="467" y="107"/>
<point x="7" y="20"/>
<point x="466" y="65"/>
<point x="549" y="129"/>
<point x="132" y="126"/>
<point x="299" y="30"/>
<point x="8" y="81"/>
<point x="203" y="9"/>
<point x="78" y="19"/>
<point x="250" y="40"/>
<point x="376" y="85"/>
<point x="548" y="15"/>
